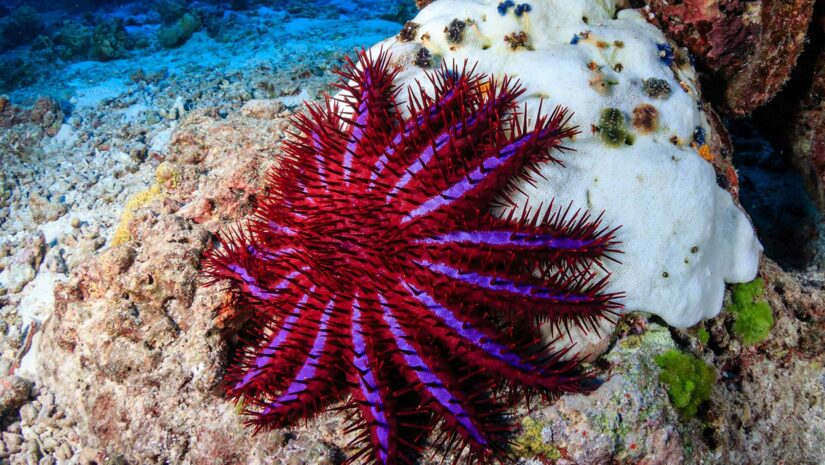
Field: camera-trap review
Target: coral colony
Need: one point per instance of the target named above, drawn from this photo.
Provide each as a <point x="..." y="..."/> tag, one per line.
<point x="374" y="272"/>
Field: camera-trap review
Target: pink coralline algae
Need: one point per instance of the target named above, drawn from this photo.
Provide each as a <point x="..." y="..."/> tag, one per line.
<point x="374" y="272"/>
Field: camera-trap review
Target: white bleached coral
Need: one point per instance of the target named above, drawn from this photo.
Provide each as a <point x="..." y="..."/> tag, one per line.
<point x="635" y="98"/>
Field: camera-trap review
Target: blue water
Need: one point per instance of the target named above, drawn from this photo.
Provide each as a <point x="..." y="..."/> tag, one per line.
<point x="45" y="45"/>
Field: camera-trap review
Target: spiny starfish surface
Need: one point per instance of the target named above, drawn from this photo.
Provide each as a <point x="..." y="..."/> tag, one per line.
<point x="374" y="272"/>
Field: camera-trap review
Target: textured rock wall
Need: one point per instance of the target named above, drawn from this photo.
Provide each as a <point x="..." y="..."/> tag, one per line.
<point x="132" y="344"/>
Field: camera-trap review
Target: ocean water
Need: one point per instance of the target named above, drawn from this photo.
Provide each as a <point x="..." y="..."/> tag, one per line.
<point x="786" y="219"/>
<point x="89" y="48"/>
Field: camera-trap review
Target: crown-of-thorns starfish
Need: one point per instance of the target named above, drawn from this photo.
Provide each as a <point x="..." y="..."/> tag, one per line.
<point x="374" y="272"/>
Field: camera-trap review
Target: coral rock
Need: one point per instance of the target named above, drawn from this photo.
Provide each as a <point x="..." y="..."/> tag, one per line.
<point x="752" y="46"/>
<point x="13" y="393"/>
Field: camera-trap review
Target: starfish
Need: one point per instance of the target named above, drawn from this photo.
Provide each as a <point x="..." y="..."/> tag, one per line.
<point x="374" y="271"/>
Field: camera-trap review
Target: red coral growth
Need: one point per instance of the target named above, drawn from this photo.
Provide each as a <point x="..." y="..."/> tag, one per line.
<point x="372" y="269"/>
<point x="752" y="46"/>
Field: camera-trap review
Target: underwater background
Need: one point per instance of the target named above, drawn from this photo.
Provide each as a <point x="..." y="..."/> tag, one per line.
<point x="102" y="102"/>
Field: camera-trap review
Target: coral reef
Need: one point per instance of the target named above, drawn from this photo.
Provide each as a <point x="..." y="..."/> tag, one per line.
<point x="18" y="71"/>
<point x="795" y="120"/>
<point x="751" y="47"/>
<point x="72" y="40"/>
<point x="19" y="27"/>
<point x="46" y="113"/>
<point x="128" y="370"/>
<point x="109" y="41"/>
<point x="158" y="357"/>
<point x="147" y="370"/>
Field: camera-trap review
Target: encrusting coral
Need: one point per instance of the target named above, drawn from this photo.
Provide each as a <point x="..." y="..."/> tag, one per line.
<point x="19" y="27"/>
<point x="166" y="176"/>
<point x="373" y="268"/>
<point x="177" y="33"/>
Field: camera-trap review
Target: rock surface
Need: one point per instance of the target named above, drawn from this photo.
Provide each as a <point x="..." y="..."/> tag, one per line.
<point x="796" y="119"/>
<point x="750" y="47"/>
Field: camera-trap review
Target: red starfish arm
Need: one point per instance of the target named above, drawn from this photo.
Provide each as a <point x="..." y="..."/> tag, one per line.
<point x="320" y="140"/>
<point x="455" y="93"/>
<point x="493" y="244"/>
<point x="369" y="92"/>
<point x="468" y="337"/>
<point x="459" y="189"/>
<point x="371" y="394"/>
<point x="520" y="295"/>
<point x="271" y="351"/>
<point x="440" y="391"/>
<point x="316" y="379"/>
<point x="458" y="148"/>
<point x="256" y="274"/>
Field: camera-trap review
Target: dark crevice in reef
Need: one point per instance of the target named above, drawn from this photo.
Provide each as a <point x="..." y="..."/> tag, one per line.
<point x="773" y="193"/>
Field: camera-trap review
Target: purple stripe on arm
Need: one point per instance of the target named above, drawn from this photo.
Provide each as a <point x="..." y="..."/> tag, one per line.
<point x="466" y="331"/>
<point x="268" y="353"/>
<point x="430" y="381"/>
<point x="508" y="238"/>
<point x="421" y="162"/>
<point x="496" y="284"/>
<point x="281" y="229"/>
<point x="389" y="151"/>
<point x="360" y="122"/>
<point x="461" y="188"/>
<point x="252" y="283"/>
<point x="367" y="382"/>
<point x="267" y="254"/>
<point x="308" y="370"/>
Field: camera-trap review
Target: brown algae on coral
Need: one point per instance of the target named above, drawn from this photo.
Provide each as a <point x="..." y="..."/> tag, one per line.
<point x="645" y="118"/>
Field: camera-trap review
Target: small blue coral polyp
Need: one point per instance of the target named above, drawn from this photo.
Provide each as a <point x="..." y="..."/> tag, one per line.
<point x="504" y="6"/>
<point x="665" y="53"/>
<point x="372" y="271"/>
<point x="523" y="8"/>
<point x="699" y="135"/>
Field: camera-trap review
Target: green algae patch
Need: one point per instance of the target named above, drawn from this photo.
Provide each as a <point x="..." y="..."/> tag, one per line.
<point x="753" y="314"/>
<point x="689" y="380"/>
<point x="703" y="335"/>
<point x="530" y="444"/>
